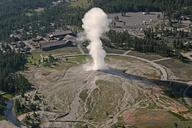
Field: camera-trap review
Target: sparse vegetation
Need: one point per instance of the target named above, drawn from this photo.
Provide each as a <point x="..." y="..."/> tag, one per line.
<point x="103" y="101"/>
<point x="181" y="118"/>
<point x="33" y="120"/>
<point x="118" y="125"/>
<point x="83" y="95"/>
<point x="183" y="71"/>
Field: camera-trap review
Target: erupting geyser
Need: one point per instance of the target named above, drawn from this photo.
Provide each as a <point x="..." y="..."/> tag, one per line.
<point x="95" y="24"/>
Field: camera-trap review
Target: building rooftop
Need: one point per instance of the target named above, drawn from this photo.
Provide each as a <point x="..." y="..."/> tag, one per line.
<point x="60" y="33"/>
<point x="56" y="44"/>
<point x="51" y="44"/>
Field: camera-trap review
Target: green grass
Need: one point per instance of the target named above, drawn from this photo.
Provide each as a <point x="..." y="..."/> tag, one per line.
<point x="181" y="70"/>
<point x="7" y="96"/>
<point x="168" y="121"/>
<point x="80" y="58"/>
<point x="125" y="58"/>
<point x="70" y="62"/>
<point x="152" y="74"/>
<point x="2" y="117"/>
<point x="35" y="56"/>
<point x="62" y="51"/>
<point x="148" y="56"/>
<point x="149" y="118"/>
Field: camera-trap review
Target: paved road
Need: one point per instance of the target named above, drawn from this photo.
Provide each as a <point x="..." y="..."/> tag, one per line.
<point x="164" y="75"/>
<point x="162" y="59"/>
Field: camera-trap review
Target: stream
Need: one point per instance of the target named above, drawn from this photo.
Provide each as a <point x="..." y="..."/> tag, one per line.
<point x="10" y="114"/>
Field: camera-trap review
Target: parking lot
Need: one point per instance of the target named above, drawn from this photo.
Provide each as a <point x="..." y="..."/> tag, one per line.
<point x="134" y="22"/>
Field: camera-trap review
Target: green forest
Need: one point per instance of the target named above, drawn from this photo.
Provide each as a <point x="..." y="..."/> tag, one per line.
<point x="122" y="40"/>
<point x="11" y="62"/>
<point x="140" y="5"/>
<point x="12" y="14"/>
<point x="11" y="82"/>
<point x="22" y="14"/>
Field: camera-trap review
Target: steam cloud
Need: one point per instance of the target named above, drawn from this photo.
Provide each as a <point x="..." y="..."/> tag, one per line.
<point x="95" y="24"/>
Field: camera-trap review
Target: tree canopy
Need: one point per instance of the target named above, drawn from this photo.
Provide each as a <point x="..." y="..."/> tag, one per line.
<point x="10" y="63"/>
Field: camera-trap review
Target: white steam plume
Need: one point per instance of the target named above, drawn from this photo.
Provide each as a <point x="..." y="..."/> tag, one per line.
<point x="95" y="24"/>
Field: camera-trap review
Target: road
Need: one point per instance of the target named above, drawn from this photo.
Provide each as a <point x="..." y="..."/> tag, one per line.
<point x="164" y="75"/>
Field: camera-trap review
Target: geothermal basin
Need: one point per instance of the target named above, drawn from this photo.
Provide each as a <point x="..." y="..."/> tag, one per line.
<point x="94" y="96"/>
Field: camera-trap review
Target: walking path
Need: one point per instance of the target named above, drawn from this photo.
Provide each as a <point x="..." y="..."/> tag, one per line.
<point x="164" y="75"/>
<point x="81" y="49"/>
<point x="162" y="59"/>
<point x="127" y="52"/>
<point x="188" y="55"/>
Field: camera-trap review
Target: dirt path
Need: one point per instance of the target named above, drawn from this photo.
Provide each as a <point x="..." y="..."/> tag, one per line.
<point x="188" y="55"/>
